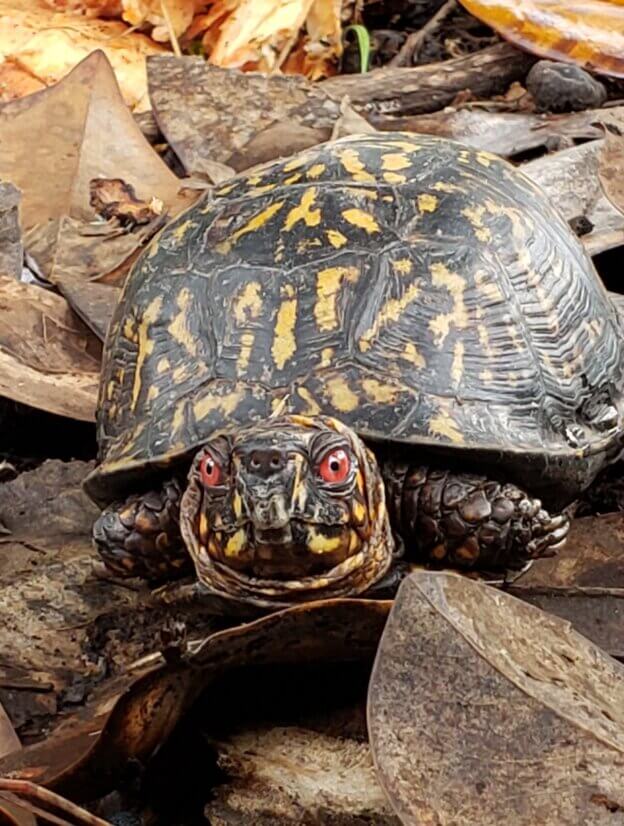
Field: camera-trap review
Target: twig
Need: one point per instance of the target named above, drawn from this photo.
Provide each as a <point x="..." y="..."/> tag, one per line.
<point x="43" y="795"/>
<point x="411" y="48"/>
<point x="172" y="35"/>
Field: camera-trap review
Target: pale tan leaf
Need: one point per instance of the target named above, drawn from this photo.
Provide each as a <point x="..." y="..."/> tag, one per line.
<point x="611" y="169"/>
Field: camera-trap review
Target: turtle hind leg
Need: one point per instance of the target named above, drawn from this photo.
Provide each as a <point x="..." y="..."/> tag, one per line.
<point x="141" y="536"/>
<point x="470" y="521"/>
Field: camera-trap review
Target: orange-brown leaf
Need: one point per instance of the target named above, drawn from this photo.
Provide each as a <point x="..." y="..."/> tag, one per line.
<point x="587" y="32"/>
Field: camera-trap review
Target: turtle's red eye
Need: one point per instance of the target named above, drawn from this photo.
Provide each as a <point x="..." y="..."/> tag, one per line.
<point x="335" y="466"/>
<point x="210" y="471"/>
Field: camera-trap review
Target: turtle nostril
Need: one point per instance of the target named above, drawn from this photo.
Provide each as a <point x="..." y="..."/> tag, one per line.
<point x="265" y="462"/>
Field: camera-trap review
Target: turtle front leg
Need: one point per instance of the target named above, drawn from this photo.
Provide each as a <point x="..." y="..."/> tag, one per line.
<point x="470" y="521"/>
<point x="141" y="536"/>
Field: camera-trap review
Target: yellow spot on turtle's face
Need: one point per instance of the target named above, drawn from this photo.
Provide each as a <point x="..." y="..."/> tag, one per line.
<point x="475" y="216"/>
<point x="359" y="512"/>
<point x="391" y="311"/>
<point x="237" y="505"/>
<point x="293" y="179"/>
<point x="313" y="408"/>
<point x="411" y="354"/>
<point x="145" y="345"/>
<point x="203" y="528"/>
<point x="455" y="284"/>
<point x="247" y="341"/>
<point x="350" y="159"/>
<point x="316" y="171"/>
<point x="395" y="161"/>
<point x="180" y="231"/>
<point x="258" y="221"/>
<point x="163" y="365"/>
<point x="248" y="303"/>
<point x="379" y="392"/>
<point x="449" y="189"/>
<point x="328" y="285"/>
<point x="336" y="238"/>
<point x="427" y="203"/>
<point x="284" y="344"/>
<point x="361" y="219"/>
<point x="327" y="356"/>
<point x="178" y="328"/>
<point x="457" y="367"/>
<point x="394" y="178"/>
<point x="236" y="543"/>
<point x="341" y="397"/>
<point x="402" y="265"/>
<point x="304" y="212"/>
<point x="318" y="543"/>
<point x="443" y="425"/>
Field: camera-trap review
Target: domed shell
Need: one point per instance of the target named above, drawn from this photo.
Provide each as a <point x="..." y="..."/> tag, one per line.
<point x="418" y="290"/>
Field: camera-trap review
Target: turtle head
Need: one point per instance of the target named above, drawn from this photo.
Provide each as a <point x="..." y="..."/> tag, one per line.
<point x="285" y="511"/>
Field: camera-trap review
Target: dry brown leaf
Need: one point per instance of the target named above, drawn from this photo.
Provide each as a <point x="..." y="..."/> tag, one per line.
<point x="483" y="709"/>
<point x="179" y="12"/>
<point x="45" y="45"/>
<point x="611" y="169"/>
<point x="114" y="198"/>
<point x="587" y="32"/>
<point x="48" y="359"/>
<point x="9" y="741"/>
<point x="82" y="130"/>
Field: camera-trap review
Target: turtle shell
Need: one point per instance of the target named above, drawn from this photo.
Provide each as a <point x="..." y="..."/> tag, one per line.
<point x="418" y="290"/>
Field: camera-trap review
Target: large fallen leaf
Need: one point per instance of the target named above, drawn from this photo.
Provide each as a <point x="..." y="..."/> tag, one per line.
<point x="209" y="114"/>
<point x="48" y="359"/>
<point x="43" y="45"/>
<point x="587" y="32"/>
<point x="483" y="709"/>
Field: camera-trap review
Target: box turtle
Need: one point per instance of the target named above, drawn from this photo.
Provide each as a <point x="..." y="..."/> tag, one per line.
<point x="385" y="342"/>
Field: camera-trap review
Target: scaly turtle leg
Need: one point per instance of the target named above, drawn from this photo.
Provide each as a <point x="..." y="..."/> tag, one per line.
<point x="469" y="521"/>
<point x="141" y="536"/>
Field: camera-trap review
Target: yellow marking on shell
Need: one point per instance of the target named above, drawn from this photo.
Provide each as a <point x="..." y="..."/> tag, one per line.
<point x="427" y="203"/>
<point x="391" y="311"/>
<point x="411" y="354"/>
<point x="341" y="397"/>
<point x="512" y="377"/>
<point x="284" y="344"/>
<point x="180" y="231"/>
<point x="457" y="367"/>
<point x="379" y="392"/>
<point x="448" y="188"/>
<point x="260" y="190"/>
<point x="475" y="216"/>
<point x="129" y="331"/>
<point x="153" y="393"/>
<point x="295" y="163"/>
<point x="304" y="212"/>
<point x="393" y="161"/>
<point x="402" y="265"/>
<point x="350" y="159"/>
<point x="488" y="287"/>
<point x="455" y="284"/>
<point x="236" y="543"/>
<point x="313" y="408"/>
<point x="247" y="342"/>
<point x="254" y="180"/>
<point x="443" y="425"/>
<point x="153" y="247"/>
<point x="163" y="365"/>
<point x="178" y="418"/>
<point x="259" y="220"/>
<point x="336" y="238"/>
<point x="110" y="390"/>
<point x="486" y="375"/>
<point x="316" y="171"/>
<point x="308" y="243"/>
<point x="145" y="345"/>
<point x="293" y="179"/>
<point x="318" y="543"/>
<point x="248" y="303"/>
<point x="484" y="338"/>
<point x="327" y="356"/>
<point x="181" y="373"/>
<point x="328" y="285"/>
<point x="361" y="192"/>
<point x="393" y="178"/>
<point x="485" y="158"/>
<point x="237" y="505"/>
<point x="178" y="328"/>
<point x="225" y="190"/>
<point x="225" y="404"/>
<point x="464" y="156"/>
<point x="406" y="146"/>
<point x="361" y="219"/>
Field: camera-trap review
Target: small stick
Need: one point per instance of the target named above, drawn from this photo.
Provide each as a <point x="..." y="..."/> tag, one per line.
<point x="412" y="45"/>
<point x="172" y="35"/>
<point x="43" y="795"/>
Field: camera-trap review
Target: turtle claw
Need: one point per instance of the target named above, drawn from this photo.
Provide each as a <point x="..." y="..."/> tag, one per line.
<point x="549" y="534"/>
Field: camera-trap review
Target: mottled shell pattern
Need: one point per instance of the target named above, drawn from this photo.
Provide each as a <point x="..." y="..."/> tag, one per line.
<point x="420" y="291"/>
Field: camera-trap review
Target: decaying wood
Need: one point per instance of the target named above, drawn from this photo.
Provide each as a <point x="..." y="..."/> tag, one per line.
<point x="433" y="86"/>
<point x="483" y="709"/>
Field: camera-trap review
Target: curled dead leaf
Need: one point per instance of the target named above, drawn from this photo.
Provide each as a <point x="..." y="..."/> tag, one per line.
<point x="587" y="32"/>
<point x="114" y="198"/>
